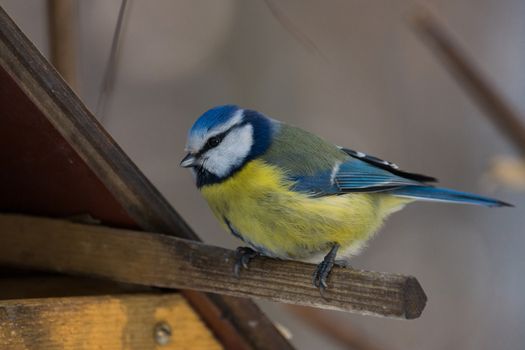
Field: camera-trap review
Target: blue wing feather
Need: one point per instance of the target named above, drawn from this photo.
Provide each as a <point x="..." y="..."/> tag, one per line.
<point x="447" y="195"/>
<point x="356" y="175"/>
<point x="389" y="166"/>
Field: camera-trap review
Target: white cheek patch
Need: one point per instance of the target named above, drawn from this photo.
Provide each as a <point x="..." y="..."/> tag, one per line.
<point x="231" y="152"/>
<point x="197" y="142"/>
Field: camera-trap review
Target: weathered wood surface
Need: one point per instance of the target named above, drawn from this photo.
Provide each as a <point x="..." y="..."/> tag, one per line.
<point x="87" y="172"/>
<point x="103" y="322"/>
<point x="31" y="284"/>
<point x="165" y="261"/>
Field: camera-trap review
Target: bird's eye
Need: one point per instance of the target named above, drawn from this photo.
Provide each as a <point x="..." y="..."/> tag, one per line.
<point x="214" y="141"/>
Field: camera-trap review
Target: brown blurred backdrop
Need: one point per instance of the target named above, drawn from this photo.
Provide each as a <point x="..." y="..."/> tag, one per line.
<point x="373" y="86"/>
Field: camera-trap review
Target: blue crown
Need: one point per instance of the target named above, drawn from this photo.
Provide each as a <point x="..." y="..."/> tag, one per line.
<point x="212" y="118"/>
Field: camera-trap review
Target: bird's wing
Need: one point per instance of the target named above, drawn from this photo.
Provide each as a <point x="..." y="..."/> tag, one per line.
<point x="386" y="165"/>
<point x="354" y="175"/>
<point x="386" y="176"/>
<point x="320" y="168"/>
<point x="364" y="173"/>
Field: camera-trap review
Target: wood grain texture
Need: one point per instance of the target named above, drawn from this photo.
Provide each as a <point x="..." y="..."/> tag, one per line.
<point x="165" y="261"/>
<point x="41" y="174"/>
<point x="45" y="285"/>
<point x="102" y="322"/>
<point x="52" y="101"/>
<point x="59" y="105"/>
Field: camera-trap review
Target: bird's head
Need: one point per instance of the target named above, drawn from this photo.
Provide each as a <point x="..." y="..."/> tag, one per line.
<point x="223" y="140"/>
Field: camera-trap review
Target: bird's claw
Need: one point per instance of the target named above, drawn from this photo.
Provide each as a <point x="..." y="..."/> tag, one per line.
<point x="243" y="256"/>
<point x="344" y="264"/>
<point x="322" y="271"/>
<point x="321" y="274"/>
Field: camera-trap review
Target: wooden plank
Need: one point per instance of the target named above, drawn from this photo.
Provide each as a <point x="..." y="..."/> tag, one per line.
<point x="51" y="102"/>
<point x="44" y="285"/>
<point x="103" y="322"/>
<point x="41" y="174"/>
<point x="165" y="261"/>
<point x="58" y="105"/>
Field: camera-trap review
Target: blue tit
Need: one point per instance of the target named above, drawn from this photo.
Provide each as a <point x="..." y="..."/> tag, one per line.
<point x="288" y="194"/>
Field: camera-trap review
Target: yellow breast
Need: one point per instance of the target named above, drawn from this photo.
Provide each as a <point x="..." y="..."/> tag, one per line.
<point x="260" y="205"/>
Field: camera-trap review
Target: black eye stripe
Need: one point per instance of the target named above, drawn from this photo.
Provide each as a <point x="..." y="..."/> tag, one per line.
<point x="207" y="146"/>
<point x="214" y="141"/>
<point x="218" y="139"/>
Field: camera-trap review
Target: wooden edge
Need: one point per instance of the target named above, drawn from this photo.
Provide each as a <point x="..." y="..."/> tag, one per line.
<point x="63" y="109"/>
<point x="139" y="321"/>
<point x="141" y="200"/>
<point x="33" y="284"/>
<point x="165" y="261"/>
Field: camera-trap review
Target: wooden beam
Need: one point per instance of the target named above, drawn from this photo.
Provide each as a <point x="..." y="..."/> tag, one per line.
<point x="75" y="123"/>
<point x="30" y="284"/>
<point x="165" y="261"/>
<point x="238" y="323"/>
<point x="142" y="321"/>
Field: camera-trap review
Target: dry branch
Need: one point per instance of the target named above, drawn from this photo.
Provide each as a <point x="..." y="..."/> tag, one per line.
<point x="62" y="39"/>
<point x="166" y="261"/>
<point x="465" y="71"/>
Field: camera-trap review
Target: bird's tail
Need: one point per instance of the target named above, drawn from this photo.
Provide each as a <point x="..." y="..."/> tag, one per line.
<point x="446" y="195"/>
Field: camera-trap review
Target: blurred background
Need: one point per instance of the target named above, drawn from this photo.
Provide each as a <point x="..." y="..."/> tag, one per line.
<point x="356" y="73"/>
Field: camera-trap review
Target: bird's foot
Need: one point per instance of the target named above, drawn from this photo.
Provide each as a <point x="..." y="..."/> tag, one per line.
<point x="243" y="256"/>
<point x="343" y="263"/>
<point x="322" y="271"/>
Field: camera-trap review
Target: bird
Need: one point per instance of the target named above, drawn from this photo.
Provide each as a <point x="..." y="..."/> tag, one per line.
<point x="289" y="194"/>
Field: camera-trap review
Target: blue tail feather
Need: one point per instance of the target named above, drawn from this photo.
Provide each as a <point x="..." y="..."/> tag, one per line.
<point x="447" y="195"/>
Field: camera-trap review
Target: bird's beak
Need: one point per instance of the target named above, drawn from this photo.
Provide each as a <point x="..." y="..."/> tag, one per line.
<point x="188" y="161"/>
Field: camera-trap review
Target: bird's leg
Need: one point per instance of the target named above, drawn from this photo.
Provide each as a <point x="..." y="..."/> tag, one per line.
<point x="243" y="255"/>
<point x="323" y="269"/>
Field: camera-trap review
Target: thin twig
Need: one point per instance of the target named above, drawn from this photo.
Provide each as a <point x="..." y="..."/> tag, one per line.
<point x="291" y="28"/>
<point x="506" y="118"/>
<point x="111" y="65"/>
<point x="62" y="35"/>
